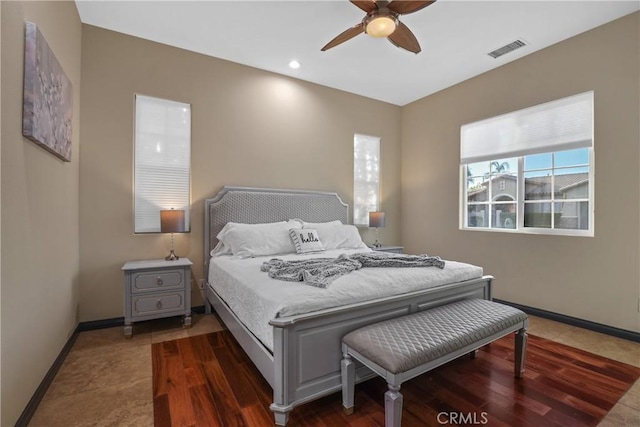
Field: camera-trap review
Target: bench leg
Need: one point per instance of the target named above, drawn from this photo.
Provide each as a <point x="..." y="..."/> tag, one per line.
<point x="521" y="352"/>
<point x="473" y="354"/>
<point x="348" y="371"/>
<point x="393" y="406"/>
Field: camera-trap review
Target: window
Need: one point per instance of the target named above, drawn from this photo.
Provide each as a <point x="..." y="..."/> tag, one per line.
<point x="531" y="170"/>
<point x="366" y="177"/>
<point x="162" y="161"/>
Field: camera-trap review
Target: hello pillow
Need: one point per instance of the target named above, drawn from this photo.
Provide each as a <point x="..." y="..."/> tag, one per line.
<point x="306" y="240"/>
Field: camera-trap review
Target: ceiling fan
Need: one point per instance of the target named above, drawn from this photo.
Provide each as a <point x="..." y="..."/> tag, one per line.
<point x="382" y="21"/>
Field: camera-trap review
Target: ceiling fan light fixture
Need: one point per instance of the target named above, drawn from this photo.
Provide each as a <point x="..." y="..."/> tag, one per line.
<point x="381" y="26"/>
<point x="381" y="20"/>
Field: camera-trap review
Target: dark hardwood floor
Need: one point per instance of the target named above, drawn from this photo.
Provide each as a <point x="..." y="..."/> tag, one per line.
<point x="207" y="380"/>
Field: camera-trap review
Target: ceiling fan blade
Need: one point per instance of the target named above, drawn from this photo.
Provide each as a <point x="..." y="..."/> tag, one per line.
<point x="344" y="36"/>
<point x="403" y="37"/>
<point x="406" y="7"/>
<point x="366" y="5"/>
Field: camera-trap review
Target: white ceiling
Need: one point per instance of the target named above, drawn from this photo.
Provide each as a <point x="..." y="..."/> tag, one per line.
<point x="455" y="37"/>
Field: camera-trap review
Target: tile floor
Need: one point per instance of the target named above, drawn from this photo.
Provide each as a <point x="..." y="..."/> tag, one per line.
<point x="106" y="379"/>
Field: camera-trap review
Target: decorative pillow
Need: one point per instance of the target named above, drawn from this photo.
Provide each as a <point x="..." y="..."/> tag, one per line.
<point x="251" y="240"/>
<point x="336" y="235"/>
<point x="305" y="240"/>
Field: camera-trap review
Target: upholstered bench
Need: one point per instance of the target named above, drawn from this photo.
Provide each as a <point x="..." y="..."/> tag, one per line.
<point x="405" y="347"/>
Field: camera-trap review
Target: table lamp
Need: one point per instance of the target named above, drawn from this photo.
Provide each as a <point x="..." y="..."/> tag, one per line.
<point x="172" y="221"/>
<point x="376" y="219"/>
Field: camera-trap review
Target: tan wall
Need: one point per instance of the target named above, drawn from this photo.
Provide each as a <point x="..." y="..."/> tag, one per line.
<point x="0" y="225"/>
<point x="40" y="213"/>
<point x="249" y="127"/>
<point x="595" y="278"/>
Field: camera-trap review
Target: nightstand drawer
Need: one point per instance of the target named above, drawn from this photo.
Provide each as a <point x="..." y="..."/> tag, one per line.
<point x="157" y="303"/>
<point x="157" y="280"/>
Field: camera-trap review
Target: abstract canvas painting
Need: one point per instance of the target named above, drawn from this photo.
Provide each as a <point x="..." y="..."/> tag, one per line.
<point x="48" y="97"/>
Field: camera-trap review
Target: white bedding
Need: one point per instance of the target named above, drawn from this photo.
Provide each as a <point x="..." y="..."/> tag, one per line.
<point x="255" y="298"/>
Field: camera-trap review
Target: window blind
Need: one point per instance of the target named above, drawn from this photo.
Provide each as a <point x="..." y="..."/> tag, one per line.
<point x="162" y="161"/>
<point x="366" y="177"/>
<point x="563" y="124"/>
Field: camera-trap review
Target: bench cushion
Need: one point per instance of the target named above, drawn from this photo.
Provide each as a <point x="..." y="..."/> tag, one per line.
<point x="405" y="342"/>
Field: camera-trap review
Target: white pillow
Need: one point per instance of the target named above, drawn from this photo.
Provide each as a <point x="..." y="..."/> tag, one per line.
<point x="228" y="226"/>
<point x="251" y="240"/>
<point x="336" y="235"/>
<point x="305" y="240"/>
<point x="220" y="249"/>
<point x="306" y="224"/>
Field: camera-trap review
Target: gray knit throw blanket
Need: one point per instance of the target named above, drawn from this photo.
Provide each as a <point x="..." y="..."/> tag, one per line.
<point x="320" y="272"/>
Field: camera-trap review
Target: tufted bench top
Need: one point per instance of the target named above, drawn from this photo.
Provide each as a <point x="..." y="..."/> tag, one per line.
<point x="406" y="342"/>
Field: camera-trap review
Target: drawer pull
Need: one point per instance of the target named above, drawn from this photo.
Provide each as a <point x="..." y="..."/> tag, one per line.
<point x="159" y="305"/>
<point x="159" y="281"/>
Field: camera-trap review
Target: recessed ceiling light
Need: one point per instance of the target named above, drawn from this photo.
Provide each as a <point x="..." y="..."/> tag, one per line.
<point x="294" y="64"/>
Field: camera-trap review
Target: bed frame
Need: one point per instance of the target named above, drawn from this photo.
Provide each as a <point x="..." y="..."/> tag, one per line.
<point x="305" y="363"/>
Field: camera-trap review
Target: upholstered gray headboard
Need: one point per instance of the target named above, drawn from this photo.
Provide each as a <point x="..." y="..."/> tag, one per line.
<point x="257" y="205"/>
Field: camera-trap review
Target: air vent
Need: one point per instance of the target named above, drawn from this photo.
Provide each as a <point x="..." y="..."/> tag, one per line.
<point x="507" y="48"/>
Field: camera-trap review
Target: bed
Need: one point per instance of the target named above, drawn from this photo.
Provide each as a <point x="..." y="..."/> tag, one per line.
<point x="298" y="352"/>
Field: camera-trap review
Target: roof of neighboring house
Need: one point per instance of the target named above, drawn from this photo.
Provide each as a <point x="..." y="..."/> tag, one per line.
<point x="476" y="190"/>
<point x="539" y="185"/>
<point x="542" y="184"/>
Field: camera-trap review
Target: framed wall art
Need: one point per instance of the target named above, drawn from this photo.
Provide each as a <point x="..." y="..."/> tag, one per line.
<point x="48" y="97"/>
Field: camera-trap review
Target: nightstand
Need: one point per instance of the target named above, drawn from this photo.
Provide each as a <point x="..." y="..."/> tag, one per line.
<point x="394" y="249"/>
<point x="155" y="289"/>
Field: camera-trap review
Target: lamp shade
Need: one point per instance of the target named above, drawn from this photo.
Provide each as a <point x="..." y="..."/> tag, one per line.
<point x="172" y="221"/>
<point x="376" y="219"/>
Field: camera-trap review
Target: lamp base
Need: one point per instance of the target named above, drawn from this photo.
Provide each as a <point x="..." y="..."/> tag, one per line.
<point x="377" y="243"/>
<point x="172" y="256"/>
